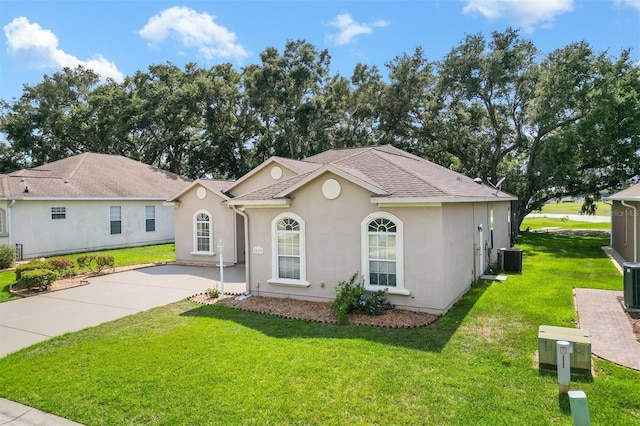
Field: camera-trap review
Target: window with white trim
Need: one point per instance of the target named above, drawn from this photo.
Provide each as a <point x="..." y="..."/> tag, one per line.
<point x="202" y="232"/>
<point x="289" y="262"/>
<point x="115" y="219"/>
<point x="58" y="212"/>
<point x="150" y="218"/>
<point x="382" y="253"/>
<point x="2" y="219"/>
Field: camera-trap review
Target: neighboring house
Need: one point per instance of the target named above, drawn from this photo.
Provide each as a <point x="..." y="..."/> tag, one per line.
<point x="86" y="202"/>
<point x="625" y="226"/>
<point x="408" y="226"/>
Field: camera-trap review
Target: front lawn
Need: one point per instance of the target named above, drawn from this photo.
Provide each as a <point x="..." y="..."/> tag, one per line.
<point x="122" y="257"/>
<point x="602" y="209"/>
<point x="536" y="223"/>
<point x="190" y="364"/>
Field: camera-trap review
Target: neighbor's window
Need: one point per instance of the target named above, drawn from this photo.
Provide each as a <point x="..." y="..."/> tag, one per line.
<point x="115" y="218"/>
<point x="150" y="218"/>
<point x="382" y="257"/>
<point x="202" y="232"/>
<point x="58" y="212"/>
<point x="288" y="250"/>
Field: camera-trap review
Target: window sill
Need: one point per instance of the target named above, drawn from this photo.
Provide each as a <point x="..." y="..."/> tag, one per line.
<point x="292" y="283"/>
<point x="390" y="290"/>
<point x="202" y="253"/>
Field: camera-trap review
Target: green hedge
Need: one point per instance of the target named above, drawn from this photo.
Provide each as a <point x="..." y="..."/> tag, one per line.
<point x="31" y="266"/>
<point x="37" y="278"/>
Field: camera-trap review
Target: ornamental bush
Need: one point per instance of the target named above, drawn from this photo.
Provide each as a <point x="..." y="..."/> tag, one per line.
<point x="105" y="261"/>
<point x="63" y="266"/>
<point x="37" y="279"/>
<point x="7" y="256"/>
<point x="31" y="266"/>
<point x="352" y="296"/>
<point x="101" y="262"/>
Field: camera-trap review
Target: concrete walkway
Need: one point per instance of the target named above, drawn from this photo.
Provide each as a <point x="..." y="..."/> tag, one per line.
<point x="612" y="337"/>
<point x="24" y="322"/>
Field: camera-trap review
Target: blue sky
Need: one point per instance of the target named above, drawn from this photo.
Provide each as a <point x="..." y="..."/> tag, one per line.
<point x="117" y="38"/>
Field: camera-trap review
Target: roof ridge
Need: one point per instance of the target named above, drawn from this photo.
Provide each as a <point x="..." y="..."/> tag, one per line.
<point x="357" y="151"/>
<point x="83" y="156"/>
<point x="377" y="153"/>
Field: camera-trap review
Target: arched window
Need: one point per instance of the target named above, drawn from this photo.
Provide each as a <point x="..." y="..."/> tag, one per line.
<point x="288" y="250"/>
<point x="382" y="253"/>
<point x="202" y="232"/>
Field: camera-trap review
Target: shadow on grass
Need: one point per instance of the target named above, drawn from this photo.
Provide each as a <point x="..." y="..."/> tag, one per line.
<point x="432" y="338"/>
<point x="564" y="246"/>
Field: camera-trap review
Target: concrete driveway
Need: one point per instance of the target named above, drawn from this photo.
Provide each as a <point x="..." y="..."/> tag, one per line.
<point x="24" y="322"/>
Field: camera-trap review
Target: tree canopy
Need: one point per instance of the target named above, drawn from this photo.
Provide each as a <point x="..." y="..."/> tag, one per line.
<point x="561" y="124"/>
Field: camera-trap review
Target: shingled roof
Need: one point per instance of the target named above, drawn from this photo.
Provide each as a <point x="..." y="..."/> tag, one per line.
<point x="389" y="173"/>
<point x="91" y="175"/>
<point x="631" y="193"/>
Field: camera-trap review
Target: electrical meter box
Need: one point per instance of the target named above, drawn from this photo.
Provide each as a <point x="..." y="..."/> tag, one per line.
<point x="580" y="340"/>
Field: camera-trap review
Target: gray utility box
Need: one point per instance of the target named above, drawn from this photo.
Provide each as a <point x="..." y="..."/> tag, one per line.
<point x="631" y="285"/>
<point x="580" y="346"/>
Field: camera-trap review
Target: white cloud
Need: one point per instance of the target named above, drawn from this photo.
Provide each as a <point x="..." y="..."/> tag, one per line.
<point x="350" y="29"/>
<point x="193" y="30"/>
<point x="630" y="3"/>
<point x="524" y="13"/>
<point x="38" y="48"/>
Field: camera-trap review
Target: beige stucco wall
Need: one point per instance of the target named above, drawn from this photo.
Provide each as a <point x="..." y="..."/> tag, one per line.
<point x="438" y="245"/>
<point x="622" y="221"/>
<point x="224" y="227"/>
<point x="461" y="244"/>
<point x="261" y="178"/>
<point x="86" y="226"/>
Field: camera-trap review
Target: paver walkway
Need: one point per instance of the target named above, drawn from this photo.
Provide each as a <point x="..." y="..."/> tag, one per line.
<point x="612" y="337"/>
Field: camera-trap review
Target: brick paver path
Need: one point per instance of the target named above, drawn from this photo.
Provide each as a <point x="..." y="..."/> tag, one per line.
<point x="612" y="337"/>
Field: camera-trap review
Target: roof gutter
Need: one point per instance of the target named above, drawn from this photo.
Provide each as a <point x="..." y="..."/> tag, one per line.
<point x="635" y="229"/>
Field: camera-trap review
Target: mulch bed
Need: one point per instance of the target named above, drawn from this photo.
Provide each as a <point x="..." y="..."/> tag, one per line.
<point x="320" y="311"/>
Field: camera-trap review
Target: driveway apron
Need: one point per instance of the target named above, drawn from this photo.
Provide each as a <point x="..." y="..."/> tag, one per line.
<point x="24" y="322"/>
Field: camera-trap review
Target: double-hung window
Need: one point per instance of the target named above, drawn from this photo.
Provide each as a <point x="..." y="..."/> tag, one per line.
<point x="115" y="219"/>
<point x="58" y="212"/>
<point x="288" y="236"/>
<point x="382" y="253"/>
<point x="150" y="218"/>
<point x="202" y="232"/>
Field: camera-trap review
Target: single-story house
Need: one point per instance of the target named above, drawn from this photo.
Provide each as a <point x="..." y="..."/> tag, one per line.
<point x="625" y="232"/>
<point x="417" y="230"/>
<point x="86" y="202"/>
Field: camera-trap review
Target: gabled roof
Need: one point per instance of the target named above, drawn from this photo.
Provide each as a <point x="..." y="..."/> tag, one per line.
<point x="91" y="175"/>
<point x="392" y="176"/>
<point x="631" y="194"/>
<point x="215" y="186"/>
<point x="296" y="166"/>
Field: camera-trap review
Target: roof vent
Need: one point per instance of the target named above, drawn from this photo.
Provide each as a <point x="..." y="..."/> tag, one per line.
<point x="26" y="189"/>
<point x="478" y="181"/>
<point x="459" y="178"/>
<point x="66" y="181"/>
<point x="21" y="179"/>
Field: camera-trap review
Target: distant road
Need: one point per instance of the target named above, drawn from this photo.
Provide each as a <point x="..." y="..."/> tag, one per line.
<point x="576" y="217"/>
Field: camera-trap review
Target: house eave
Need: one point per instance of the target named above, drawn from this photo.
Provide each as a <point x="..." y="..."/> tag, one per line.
<point x="86" y="198"/>
<point x="261" y="204"/>
<point x="633" y="198"/>
<point x="433" y="201"/>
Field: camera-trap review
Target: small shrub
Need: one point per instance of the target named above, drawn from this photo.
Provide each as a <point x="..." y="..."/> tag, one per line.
<point x="31" y="266"/>
<point x="352" y="296"/>
<point x="104" y="261"/>
<point x="213" y="293"/>
<point x="7" y="256"/>
<point x="84" y="262"/>
<point x="37" y="279"/>
<point x="63" y="266"/>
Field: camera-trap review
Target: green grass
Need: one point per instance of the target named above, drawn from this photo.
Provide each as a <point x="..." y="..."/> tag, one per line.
<point x="535" y="223"/>
<point x="122" y="257"/>
<point x="574" y="208"/>
<point x="190" y="364"/>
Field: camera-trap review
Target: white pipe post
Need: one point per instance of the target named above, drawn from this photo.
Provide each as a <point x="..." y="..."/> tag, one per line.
<point x="579" y="408"/>
<point x="563" y="351"/>
<point x="220" y="247"/>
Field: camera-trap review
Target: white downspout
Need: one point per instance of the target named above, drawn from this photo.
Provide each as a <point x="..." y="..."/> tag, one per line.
<point x="9" y="221"/>
<point x="247" y="254"/>
<point x="481" y="249"/>
<point x="635" y="230"/>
